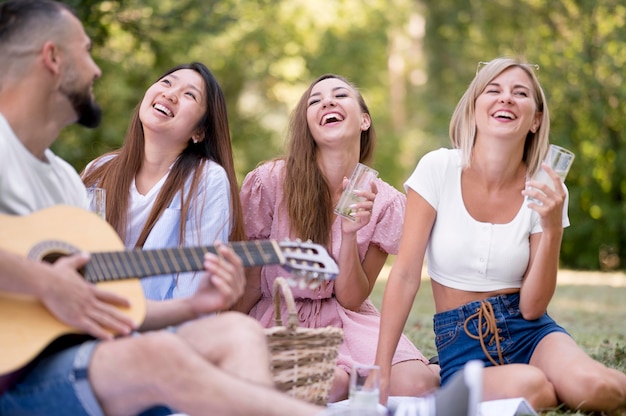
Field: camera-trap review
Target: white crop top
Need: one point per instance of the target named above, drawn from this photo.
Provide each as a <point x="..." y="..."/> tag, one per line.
<point x="464" y="253"/>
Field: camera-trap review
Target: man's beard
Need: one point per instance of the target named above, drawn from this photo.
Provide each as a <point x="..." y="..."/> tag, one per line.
<point x="88" y="110"/>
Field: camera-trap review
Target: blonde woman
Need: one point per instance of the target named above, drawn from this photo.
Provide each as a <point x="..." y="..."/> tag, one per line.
<point x="493" y="256"/>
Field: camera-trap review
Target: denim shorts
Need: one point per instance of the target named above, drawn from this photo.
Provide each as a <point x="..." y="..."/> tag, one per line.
<point x="57" y="385"/>
<point x="518" y="336"/>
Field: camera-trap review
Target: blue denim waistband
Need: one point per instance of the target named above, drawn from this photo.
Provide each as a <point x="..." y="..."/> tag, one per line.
<point x="508" y="302"/>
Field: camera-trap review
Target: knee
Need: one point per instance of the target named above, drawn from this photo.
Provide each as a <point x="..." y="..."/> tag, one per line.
<point x="427" y="382"/>
<point x="606" y="386"/>
<point x="241" y="327"/>
<point x="228" y="331"/>
<point x="602" y="390"/>
<point x="536" y="388"/>
<point x="143" y="351"/>
<point x="413" y="378"/>
<point x="151" y="347"/>
<point x="339" y="387"/>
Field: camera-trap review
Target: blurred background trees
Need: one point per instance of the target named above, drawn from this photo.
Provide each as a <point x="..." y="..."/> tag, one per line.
<point x="412" y="60"/>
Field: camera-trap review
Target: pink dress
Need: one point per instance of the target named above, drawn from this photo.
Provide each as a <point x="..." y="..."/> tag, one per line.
<point x="266" y="218"/>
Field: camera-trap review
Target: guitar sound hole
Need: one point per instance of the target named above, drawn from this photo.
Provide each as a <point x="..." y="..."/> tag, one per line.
<point x="52" y="257"/>
<point x="50" y="251"/>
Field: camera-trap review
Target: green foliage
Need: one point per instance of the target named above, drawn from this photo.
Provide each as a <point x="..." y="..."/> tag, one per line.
<point x="578" y="45"/>
<point x="412" y="60"/>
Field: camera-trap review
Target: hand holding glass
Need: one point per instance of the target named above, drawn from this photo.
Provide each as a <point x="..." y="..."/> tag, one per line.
<point x="365" y="386"/>
<point x="360" y="180"/>
<point x="560" y="160"/>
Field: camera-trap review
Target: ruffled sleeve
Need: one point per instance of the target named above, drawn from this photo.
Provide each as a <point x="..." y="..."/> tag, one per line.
<point x="258" y="194"/>
<point x="390" y="216"/>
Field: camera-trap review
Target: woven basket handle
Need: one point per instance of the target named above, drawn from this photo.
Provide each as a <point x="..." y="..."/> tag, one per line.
<point x="280" y="285"/>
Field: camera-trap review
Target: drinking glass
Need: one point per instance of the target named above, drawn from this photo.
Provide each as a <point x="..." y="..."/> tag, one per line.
<point x="99" y="202"/>
<point x="365" y="386"/>
<point x="560" y="160"/>
<point x="360" y="180"/>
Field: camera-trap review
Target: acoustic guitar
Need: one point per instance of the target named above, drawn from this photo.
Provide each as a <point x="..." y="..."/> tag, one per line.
<point x="26" y="326"/>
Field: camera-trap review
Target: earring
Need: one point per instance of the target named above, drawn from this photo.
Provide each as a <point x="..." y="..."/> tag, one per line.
<point x="194" y="140"/>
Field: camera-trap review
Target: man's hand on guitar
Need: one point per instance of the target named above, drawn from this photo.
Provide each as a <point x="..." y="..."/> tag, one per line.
<point x="81" y="304"/>
<point x="222" y="283"/>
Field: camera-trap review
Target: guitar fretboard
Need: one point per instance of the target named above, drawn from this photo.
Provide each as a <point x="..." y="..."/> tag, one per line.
<point x="138" y="263"/>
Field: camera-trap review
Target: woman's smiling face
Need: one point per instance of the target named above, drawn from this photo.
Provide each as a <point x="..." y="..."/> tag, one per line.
<point x="507" y="106"/>
<point x="333" y="111"/>
<point x="176" y="104"/>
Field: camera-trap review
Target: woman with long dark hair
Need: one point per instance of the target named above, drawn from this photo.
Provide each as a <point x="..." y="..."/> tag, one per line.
<point x="173" y="182"/>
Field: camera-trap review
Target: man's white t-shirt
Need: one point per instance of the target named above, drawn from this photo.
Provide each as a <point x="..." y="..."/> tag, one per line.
<point x="28" y="184"/>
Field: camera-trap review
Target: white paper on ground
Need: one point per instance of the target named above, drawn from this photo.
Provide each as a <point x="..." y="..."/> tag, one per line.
<point x="507" y="407"/>
<point x="504" y="407"/>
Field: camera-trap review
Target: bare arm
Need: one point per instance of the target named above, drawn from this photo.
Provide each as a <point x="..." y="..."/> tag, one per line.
<point x="540" y="280"/>
<point x="356" y="279"/>
<point x="19" y="275"/>
<point x="63" y="291"/>
<point x="252" y="293"/>
<point x="403" y="283"/>
<point x="221" y="286"/>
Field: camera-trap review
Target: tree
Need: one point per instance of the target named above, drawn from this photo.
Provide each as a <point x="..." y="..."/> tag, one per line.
<point x="412" y="60"/>
<point x="578" y="46"/>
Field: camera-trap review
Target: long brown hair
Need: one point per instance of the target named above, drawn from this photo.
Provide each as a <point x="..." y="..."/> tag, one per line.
<point x="308" y="198"/>
<point x="117" y="173"/>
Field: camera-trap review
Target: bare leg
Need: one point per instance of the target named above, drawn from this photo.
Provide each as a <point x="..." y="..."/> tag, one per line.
<point x="340" y="386"/>
<point x="519" y="380"/>
<point x="134" y="373"/>
<point x="580" y="381"/>
<point x="241" y="352"/>
<point x="408" y="378"/>
<point x="413" y="378"/>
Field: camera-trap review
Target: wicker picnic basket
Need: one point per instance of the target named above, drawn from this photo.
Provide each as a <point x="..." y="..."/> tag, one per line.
<point x="303" y="360"/>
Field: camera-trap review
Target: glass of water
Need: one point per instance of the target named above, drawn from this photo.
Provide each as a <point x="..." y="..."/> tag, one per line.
<point x="99" y="202"/>
<point x="365" y="386"/>
<point x="360" y="180"/>
<point x="560" y="161"/>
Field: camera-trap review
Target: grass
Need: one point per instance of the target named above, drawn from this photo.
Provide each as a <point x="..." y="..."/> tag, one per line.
<point x="591" y="306"/>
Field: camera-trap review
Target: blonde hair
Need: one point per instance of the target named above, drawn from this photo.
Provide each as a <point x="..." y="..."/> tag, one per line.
<point x="463" y="122"/>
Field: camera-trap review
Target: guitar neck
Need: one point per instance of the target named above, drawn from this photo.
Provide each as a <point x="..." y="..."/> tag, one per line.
<point x="137" y="263"/>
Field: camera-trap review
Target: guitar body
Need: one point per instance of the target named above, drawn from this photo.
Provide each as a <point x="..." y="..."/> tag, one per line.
<point x="25" y="324"/>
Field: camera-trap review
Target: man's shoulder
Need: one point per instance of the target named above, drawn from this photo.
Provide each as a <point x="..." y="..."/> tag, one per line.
<point x="61" y="164"/>
<point x="6" y="133"/>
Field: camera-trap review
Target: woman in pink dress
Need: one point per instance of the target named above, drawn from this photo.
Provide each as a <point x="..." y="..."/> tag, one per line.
<point x="294" y="196"/>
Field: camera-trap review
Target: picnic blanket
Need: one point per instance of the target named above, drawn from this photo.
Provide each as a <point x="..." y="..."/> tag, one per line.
<point x="421" y="406"/>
